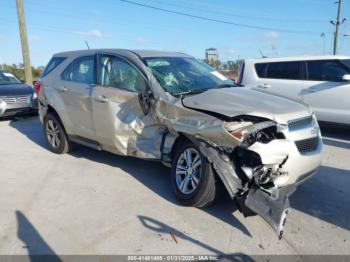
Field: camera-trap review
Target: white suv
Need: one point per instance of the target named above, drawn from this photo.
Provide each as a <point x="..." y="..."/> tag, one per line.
<point x="323" y="82"/>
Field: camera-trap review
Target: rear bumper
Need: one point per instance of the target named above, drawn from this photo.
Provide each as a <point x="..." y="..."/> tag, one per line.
<point x="8" y="110"/>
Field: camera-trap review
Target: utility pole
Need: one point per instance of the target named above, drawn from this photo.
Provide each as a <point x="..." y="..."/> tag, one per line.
<point x="337" y="23"/>
<point x="24" y="42"/>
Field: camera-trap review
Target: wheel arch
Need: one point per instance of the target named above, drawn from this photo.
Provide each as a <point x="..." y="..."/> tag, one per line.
<point x="52" y="110"/>
<point x="224" y="171"/>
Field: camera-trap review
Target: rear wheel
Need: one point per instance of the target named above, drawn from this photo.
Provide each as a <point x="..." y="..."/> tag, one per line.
<point x="55" y="134"/>
<point x="193" y="179"/>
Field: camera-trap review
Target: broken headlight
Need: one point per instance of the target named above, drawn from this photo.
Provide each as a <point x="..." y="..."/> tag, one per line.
<point x="249" y="133"/>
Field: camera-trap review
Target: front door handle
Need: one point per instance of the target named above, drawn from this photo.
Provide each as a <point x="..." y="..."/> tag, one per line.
<point x="101" y="99"/>
<point x="310" y="90"/>
<point x="264" y="86"/>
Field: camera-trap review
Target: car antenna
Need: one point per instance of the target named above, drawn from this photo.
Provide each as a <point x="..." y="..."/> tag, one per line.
<point x="87" y="44"/>
<point x="262" y="55"/>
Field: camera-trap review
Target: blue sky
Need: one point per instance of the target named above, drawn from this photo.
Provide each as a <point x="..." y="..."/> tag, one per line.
<point x="55" y="26"/>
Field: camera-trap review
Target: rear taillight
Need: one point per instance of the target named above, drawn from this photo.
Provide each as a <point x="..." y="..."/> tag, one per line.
<point x="37" y="87"/>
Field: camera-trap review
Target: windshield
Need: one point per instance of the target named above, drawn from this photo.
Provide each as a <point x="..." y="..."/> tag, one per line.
<point x="8" y="79"/>
<point x="182" y="74"/>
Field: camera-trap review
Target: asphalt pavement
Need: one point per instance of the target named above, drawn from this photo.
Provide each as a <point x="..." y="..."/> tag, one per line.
<point x="91" y="202"/>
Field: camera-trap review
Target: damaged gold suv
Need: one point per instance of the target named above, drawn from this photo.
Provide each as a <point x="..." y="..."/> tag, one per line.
<point x="173" y="108"/>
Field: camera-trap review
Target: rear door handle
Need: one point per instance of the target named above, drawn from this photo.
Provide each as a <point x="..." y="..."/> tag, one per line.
<point x="310" y="90"/>
<point x="62" y="89"/>
<point x="263" y="86"/>
<point x="101" y="99"/>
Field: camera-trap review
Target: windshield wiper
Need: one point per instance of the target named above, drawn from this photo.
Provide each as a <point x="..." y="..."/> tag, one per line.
<point x="226" y="86"/>
<point x="190" y="92"/>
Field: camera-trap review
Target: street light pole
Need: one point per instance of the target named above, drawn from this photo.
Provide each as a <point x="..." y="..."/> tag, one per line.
<point x="24" y="42"/>
<point x="323" y="35"/>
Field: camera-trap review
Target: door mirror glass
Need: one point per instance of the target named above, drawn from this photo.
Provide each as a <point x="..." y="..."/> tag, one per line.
<point x="144" y="100"/>
<point x="346" y="77"/>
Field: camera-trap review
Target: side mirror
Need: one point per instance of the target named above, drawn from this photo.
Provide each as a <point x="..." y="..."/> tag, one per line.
<point x="346" y="77"/>
<point x="144" y="100"/>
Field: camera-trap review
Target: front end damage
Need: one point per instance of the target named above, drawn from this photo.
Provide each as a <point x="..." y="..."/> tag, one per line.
<point x="269" y="165"/>
<point x="258" y="162"/>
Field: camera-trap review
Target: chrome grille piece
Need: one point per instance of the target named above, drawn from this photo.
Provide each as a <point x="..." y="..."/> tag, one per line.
<point x="307" y="145"/>
<point x="299" y="123"/>
<point x="15" y="99"/>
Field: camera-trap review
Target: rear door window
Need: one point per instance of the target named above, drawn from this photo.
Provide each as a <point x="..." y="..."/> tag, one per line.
<point x="326" y="70"/>
<point x="54" y="62"/>
<point x="284" y="70"/>
<point x="81" y="70"/>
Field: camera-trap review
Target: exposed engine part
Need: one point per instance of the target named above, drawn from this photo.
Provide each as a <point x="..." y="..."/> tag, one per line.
<point x="248" y="133"/>
<point x="262" y="175"/>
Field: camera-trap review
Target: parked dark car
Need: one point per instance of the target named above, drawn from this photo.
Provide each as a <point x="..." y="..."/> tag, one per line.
<point x="16" y="97"/>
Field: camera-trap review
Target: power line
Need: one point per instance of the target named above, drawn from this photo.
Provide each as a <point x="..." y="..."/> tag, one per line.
<point x="242" y="16"/>
<point x="76" y="32"/>
<point x="217" y="20"/>
<point x="64" y="12"/>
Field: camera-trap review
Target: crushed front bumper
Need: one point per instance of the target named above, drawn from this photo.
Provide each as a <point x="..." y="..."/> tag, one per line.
<point x="297" y="166"/>
<point x="272" y="208"/>
<point x="294" y="165"/>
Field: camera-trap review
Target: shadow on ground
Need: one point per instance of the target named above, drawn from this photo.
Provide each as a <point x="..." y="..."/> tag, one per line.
<point x="30" y="127"/>
<point x="325" y="196"/>
<point x="157" y="178"/>
<point x="159" y="227"/>
<point x="151" y="173"/>
<point x="38" y="249"/>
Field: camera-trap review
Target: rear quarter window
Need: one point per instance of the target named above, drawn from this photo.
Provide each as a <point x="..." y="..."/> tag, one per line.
<point x="54" y="62"/>
<point x="260" y="69"/>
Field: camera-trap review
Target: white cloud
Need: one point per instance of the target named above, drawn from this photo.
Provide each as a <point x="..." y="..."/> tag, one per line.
<point x="35" y="38"/>
<point x="229" y="51"/>
<point x="270" y="35"/>
<point x="96" y="12"/>
<point x="92" y="33"/>
<point x="140" y="40"/>
<point x="226" y="52"/>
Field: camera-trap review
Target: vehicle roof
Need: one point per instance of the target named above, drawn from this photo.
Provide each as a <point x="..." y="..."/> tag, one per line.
<point x="297" y="58"/>
<point x="141" y="53"/>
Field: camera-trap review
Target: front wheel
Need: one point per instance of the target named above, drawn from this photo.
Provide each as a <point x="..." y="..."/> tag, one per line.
<point x="192" y="177"/>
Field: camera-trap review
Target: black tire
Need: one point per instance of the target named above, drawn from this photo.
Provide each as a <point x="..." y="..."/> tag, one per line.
<point x="205" y="191"/>
<point x="64" y="145"/>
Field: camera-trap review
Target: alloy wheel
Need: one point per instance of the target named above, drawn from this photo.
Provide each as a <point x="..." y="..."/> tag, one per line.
<point x="53" y="134"/>
<point x="188" y="171"/>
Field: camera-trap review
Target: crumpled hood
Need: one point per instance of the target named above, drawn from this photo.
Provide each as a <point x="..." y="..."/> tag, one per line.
<point x="16" y="90"/>
<point x="237" y="101"/>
